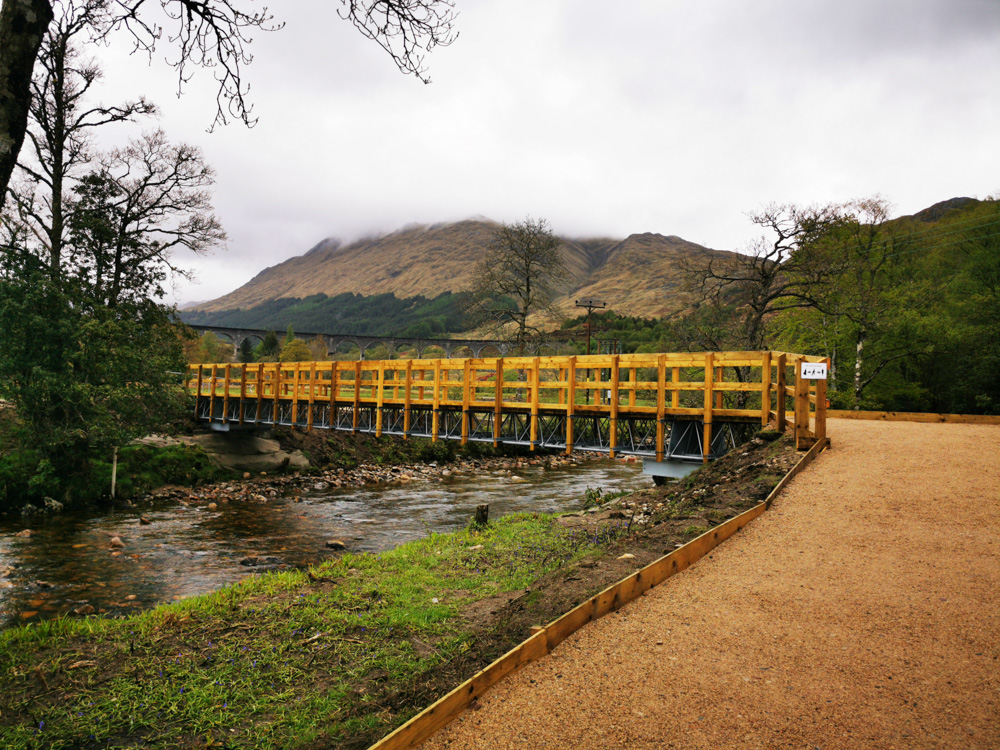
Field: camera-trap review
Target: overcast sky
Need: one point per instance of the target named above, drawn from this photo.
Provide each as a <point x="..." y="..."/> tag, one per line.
<point x="603" y="118"/>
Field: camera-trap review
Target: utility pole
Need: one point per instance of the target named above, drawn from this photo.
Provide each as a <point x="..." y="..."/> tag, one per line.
<point x="590" y="305"/>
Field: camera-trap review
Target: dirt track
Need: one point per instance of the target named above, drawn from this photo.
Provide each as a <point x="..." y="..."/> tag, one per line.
<point x="862" y="611"/>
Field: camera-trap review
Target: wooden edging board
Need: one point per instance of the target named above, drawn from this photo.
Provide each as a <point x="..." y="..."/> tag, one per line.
<point x="545" y="639"/>
<point x="913" y="416"/>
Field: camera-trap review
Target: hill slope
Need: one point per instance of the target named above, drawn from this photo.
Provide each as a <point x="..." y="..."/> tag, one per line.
<point x="638" y="275"/>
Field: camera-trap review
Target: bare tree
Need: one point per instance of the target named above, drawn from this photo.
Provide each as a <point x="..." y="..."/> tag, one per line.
<point x="212" y="34"/>
<point x="144" y="202"/>
<point x="778" y="271"/>
<point x="515" y="278"/>
<point x="60" y="127"/>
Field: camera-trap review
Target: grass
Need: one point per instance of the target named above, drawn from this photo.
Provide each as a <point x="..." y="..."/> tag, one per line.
<point x="278" y="660"/>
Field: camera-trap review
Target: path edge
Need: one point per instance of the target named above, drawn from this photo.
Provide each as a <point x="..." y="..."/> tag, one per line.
<point x="544" y="639"/>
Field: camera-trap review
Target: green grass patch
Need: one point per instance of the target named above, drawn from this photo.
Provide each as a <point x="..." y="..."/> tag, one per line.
<point x="277" y="660"/>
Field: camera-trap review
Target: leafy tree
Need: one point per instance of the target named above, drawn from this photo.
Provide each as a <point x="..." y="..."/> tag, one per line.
<point x="268" y="349"/>
<point x="295" y="350"/>
<point x="246" y="353"/>
<point x="213" y="33"/>
<point x="208" y="349"/>
<point x="318" y="349"/>
<point x="83" y="377"/>
<point x="517" y="278"/>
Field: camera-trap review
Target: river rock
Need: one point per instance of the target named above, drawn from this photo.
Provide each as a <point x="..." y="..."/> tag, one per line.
<point x="28" y="509"/>
<point x="212" y="506"/>
<point x="335" y="544"/>
<point x="246" y="452"/>
<point x="144" y="521"/>
<point x="6" y="571"/>
<point x="53" y="506"/>
<point x="84" y="609"/>
<point x="24" y="533"/>
<point x="259" y="560"/>
<point x="116" y="542"/>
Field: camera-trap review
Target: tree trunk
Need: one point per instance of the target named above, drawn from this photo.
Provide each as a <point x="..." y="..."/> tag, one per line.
<point x="858" y="359"/>
<point x="22" y="27"/>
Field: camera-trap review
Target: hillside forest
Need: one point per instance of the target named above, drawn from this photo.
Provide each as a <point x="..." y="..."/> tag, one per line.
<point x="907" y="309"/>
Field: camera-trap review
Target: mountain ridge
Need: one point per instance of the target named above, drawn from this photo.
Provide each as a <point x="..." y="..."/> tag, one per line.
<point x="639" y="274"/>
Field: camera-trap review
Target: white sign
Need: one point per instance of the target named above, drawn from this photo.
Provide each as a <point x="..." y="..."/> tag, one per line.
<point x="814" y="370"/>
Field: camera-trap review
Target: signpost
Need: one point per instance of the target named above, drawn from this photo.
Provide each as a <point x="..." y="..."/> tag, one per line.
<point x="814" y="370"/>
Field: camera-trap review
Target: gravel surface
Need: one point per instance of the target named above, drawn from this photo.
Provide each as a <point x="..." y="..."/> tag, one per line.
<point x="861" y="611"/>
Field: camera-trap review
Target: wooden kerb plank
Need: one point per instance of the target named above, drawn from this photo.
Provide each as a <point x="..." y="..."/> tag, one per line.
<point x="543" y="639"/>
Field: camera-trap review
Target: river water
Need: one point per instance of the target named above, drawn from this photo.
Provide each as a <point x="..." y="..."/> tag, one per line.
<point x="185" y="550"/>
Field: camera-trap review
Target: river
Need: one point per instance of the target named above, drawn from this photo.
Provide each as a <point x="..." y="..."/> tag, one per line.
<point x="66" y="564"/>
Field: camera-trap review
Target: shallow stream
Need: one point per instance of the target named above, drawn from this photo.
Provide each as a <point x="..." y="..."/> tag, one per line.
<point x="185" y="550"/>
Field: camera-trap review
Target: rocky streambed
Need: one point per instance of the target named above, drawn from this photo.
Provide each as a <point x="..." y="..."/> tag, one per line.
<point x="177" y="542"/>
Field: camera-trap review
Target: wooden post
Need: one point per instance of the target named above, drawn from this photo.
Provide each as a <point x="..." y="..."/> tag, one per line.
<point x="498" y="402"/>
<point x="802" y="433"/>
<point x="535" y="373"/>
<point x="779" y="389"/>
<point x="260" y="390"/>
<point x="296" y="373"/>
<point x="407" y="398"/>
<point x="435" y="422"/>
<point x="467" y="375"/>
<point x="709" y="401"/>
<point x="661" y="405"/>
<point x="765" y="389"/>
<point x="821" y="406"/>
<point x="276" y="393"/>
<point x="243" y="391"/>
<point x="312" y="395"/>
<point x="420" y="390"/>
<point x="225" y="397"/>
<point x="379" y="398"/>
<point x="613" y="420"/>
<point x="631" y="393"/>
<point x="357" y="395"/>
<point x="482" y="517"/>
<point x="197" y="396"/>
<point x="718" y="394"/>
<point x="570" y="403"/>
<point x="211" y="397"/>
<point x="675" y="397"/>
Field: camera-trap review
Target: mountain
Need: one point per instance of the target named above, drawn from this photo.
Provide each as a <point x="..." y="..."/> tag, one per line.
<point x="638" y="275"/>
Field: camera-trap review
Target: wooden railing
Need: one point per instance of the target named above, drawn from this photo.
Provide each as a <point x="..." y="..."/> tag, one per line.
<point x="733" y="386"/>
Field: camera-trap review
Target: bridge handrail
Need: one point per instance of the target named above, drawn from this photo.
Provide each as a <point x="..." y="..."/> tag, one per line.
<point x="689" y="384"/>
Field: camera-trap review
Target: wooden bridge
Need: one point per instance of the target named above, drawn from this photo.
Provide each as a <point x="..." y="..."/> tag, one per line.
<point x="691" y="406"/>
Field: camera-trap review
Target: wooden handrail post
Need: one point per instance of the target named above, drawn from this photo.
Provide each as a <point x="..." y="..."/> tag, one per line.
<point x="719" y="394"/>
<point x="260" y="391"/>
<point x="765" y="389"/>
<point x="709" y="401"/>
<point x="379" y="398"/>
<point x="243" y="389"/>
<point x="407" y="399"/>
<point x="211" y="396"/>
<point x="780" y="392"/>
<point x="613" y="419"/>
<point x="334" y="392"/>
<point x="675" y="396"/>
<point x="312" y="395"/>
<point x="357" y="395"/>
<point x="570" y="403"/>
<point x="225" y="396"/>
<point x="821" y="406"/>
<point x="197" y="396"/>
<point x="661" y="405"/>
<point x="535" y="375"/>
<point x="802" y="433"/>
<point x="276" y="394"/>
<point x="296" y="386"/>
<point x="435" y="422"/>
<point x="498" y="402"/>
<point x="466" y="398"/>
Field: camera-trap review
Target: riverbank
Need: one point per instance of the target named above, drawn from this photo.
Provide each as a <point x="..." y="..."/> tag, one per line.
<point x="337" y="655"/>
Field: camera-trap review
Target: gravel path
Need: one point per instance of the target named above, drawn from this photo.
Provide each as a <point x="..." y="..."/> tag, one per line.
<point x="861" y="611"/>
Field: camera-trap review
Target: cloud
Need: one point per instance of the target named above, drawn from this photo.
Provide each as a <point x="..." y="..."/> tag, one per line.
<point x="672" y="117"/>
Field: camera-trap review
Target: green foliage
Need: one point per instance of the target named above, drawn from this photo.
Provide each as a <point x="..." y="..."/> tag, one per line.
<point x="377" y="315"/>
<point x="295" y="350"/>
<point x="246" y="353"/>
<point x="268" y="349"/>
<point x="83" y="377"/>
<point x="207" y="349"/>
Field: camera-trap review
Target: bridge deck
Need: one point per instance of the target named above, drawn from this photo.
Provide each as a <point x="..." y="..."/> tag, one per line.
<point x="685" y="406"/>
